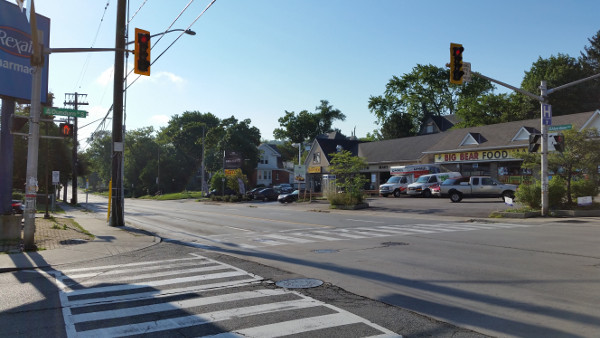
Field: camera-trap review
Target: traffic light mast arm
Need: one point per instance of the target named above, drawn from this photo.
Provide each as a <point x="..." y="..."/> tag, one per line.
<point x="80" y="50"/>
<point x="524" y="92"/>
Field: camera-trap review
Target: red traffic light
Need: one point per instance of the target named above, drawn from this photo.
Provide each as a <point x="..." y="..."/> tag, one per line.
<point x="66" y="129"/>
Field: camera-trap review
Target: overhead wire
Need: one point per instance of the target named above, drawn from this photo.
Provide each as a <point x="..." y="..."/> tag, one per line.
<point x="89" y="55"/>
<point x="102" y="124"/>
<point x="176" y="39"/>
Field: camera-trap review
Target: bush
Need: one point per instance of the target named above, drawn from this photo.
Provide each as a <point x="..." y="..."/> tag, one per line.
<point x="344" y="199"/>
<point x="557" y="191"/>
<point x="582" y="188"/>
<point x="530" y="194"/>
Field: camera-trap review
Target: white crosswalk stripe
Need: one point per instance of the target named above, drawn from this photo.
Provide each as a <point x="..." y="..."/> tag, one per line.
<point x="258" y="240"/>
<point x="197" y="294"/>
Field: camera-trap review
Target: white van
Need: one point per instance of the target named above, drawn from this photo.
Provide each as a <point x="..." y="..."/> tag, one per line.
<point x="402" y="176"/>
<point x="421" y="186"/>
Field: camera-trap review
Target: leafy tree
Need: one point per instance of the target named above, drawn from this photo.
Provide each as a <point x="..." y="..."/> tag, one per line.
<point x="141" y="161"/>
<point x="423" y="92"/>
<point x="184" y="135"/>
<point x="307" y="126"/>
<point x="591" y="57"/>
<point x="488" y="109"/>
<point x="99" y="155"/>
<point x="233" y="135"/>
<point x="346" y="169"/>
<point x="556" y="71"/>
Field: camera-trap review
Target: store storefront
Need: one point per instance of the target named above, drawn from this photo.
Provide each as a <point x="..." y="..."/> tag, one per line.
<point x="502" y="164"/>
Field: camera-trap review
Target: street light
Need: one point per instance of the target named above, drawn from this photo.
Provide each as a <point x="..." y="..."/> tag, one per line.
<point x="186" y="31"/>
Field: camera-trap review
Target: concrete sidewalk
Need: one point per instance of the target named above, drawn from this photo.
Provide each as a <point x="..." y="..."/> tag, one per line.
<point x="57" y="249"/>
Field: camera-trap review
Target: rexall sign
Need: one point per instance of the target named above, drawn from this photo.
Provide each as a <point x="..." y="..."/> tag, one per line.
<point x="15" y="50"/>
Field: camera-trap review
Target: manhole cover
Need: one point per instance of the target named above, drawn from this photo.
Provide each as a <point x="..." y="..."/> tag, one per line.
<point x="393" y="243"/>
<point x="325" y="251"/>
<point x="299" y="283"/>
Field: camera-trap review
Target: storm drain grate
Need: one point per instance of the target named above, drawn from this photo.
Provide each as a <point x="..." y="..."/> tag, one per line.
<point x="299" y="283"/>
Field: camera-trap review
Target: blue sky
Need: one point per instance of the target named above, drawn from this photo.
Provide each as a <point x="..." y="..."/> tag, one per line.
<point x="257" y="59"/>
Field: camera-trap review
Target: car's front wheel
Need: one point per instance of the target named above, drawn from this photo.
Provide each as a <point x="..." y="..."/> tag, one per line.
<point x="397" y="193"/>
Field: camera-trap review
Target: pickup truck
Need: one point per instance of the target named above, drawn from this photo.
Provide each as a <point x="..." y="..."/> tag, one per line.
<point x="476" y="186"/>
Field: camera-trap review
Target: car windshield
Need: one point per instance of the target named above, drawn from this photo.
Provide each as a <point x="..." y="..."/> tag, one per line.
<point x="394" y="179"/>
<point x="423" y="179"/>
<point x="449" y="181"/>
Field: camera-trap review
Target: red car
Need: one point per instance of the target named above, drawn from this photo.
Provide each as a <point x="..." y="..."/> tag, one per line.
<point x="17" y="207"/>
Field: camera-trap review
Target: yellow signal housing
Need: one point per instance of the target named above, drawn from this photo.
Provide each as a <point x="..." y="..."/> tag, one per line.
<point x="456" y="63"/>
<point x="142" y="62"/>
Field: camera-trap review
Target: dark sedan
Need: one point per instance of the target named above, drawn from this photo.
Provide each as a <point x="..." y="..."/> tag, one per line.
<point x="288" y="198"/>
<point x="267" y="194"/>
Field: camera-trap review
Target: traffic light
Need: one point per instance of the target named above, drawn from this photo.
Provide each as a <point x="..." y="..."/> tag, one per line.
<point x="66" y="129"/>
<point x="456" y="64"/>
<point x="17" y="123"/>
<point x="534" y="142"/>
<point x="559" y="142"/>
<point x="142" y="52"/>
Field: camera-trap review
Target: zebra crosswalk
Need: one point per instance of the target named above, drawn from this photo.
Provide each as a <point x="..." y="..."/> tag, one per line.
<point x="253" y="240"/>
<point x="195" y="296"/>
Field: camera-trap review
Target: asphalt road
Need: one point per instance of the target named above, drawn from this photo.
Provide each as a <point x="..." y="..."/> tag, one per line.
<point x="502" y="278"/>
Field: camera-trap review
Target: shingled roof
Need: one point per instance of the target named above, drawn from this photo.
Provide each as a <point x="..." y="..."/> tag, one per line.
<point x="398" y="150"/>
<point x="501" y="135"/>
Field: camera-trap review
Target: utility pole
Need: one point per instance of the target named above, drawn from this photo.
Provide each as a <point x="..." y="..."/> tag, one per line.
<point x="72" y="99"/>
<point x="117" y="217"/>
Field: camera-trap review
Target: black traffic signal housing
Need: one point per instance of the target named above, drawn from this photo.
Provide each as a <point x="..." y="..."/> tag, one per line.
<point x="17" y="122"/>
<point x="559" y="142"/>
<point x="142" y="52"/>
<point x="534" y="142"/>
<point x="66" y="129"/>
<point x="456" y="63"/>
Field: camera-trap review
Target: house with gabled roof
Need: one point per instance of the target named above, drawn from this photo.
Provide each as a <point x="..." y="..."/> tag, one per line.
<point x="270" y="170"/>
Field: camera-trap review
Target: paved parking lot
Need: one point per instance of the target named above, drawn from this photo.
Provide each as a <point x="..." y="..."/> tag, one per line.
<point x="469" y="207"/>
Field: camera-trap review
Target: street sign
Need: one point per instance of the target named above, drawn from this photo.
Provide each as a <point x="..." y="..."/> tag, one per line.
<point x="547" y="114"/>
<point x="467" y="70"/>
<point x="55" y="177"/>
<point x="560" y="127"/>
<point x="64" y="112"/>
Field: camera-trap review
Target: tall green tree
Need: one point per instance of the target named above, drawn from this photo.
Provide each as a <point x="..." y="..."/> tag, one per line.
<point x="556" y="71"/>
<point x="306" y="126"/>
<point x="141" y="161"/>
<point x="184" y="135"/>
<point x="423" y="92"/>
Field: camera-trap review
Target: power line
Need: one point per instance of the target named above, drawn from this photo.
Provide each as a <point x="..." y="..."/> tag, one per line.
<point x="172" y="43"/>
<point x="87" y="59"/>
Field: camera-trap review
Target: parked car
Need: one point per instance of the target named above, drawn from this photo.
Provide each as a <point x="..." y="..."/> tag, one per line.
<point x="285" y="188"/>
<point x="251" y="192"/>
<point x="266" y="194"/>
<point x="477" y="186"/>
<point x="422" y="184"/>
<point x="288" y="198"/>
<point x="18" y="207"/>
